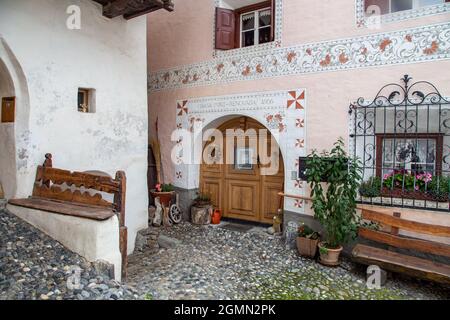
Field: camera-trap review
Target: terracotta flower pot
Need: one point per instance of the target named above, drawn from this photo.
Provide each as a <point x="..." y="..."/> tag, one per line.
<point x="329" y="257"/>
<point x="164" y="197"/>
<point x="307" y="247"/>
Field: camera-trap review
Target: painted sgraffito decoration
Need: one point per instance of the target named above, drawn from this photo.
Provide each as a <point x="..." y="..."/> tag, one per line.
<point x="272" y="109"/>
<point x="406" y="46"/>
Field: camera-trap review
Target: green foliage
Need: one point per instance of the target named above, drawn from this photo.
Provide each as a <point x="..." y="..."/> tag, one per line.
<point x="335" y="208"/>
<point x="148" y="296"/>
<point x="167" y="187"/>
<point x="305" y="231"/>
<point x="371" y="188"/>
<point x="202" y="199"/>
<point x="439" y="188"/>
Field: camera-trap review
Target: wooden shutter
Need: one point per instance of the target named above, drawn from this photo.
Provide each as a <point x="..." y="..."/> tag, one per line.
<point x="383" y="4"/>
<point x="225" y="29"/>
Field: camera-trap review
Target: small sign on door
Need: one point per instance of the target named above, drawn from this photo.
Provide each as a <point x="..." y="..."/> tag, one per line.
<point x="8" y="109"/>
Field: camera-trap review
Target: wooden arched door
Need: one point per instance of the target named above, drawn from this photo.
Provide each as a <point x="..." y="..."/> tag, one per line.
<point x="240" y="190"/>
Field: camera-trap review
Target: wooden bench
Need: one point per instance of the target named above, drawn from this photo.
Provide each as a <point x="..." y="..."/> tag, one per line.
<point x="390" y="259"/>
<point x="59" y="191"/>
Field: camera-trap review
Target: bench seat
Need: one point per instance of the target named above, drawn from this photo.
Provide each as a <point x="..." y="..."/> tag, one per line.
<point x="397" y="262"/>
<point x="66" y="208"/>
<point x="69" y="207"/>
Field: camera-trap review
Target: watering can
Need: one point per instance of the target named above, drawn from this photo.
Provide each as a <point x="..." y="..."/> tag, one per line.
<point x="216" y="215"/>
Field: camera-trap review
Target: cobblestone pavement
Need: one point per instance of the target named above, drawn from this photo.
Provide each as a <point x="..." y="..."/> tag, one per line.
<point x="205" y="263"/>
<point x="35" y="267"/>
<point x="213" y="263"/>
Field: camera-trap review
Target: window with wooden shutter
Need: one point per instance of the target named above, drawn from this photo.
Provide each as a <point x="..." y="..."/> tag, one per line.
<point x="245" y="26"/>
<point x="225" y="29"/>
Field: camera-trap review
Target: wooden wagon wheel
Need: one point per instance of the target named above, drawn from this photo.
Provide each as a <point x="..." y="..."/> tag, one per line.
<point x="175" y="214"/>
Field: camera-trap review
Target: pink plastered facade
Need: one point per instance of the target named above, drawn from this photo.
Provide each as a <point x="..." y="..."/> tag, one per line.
<point x="323" y="52"/>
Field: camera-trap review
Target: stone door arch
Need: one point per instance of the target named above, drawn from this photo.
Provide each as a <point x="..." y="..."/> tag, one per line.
<point x="14" y="136"/>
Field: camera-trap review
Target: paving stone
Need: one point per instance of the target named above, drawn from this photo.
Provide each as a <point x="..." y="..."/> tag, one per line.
<point x="194" y="262"/>
<point x="216" y="263"/>
<point x="168" y="242"/>
<point x="42" y="266"/>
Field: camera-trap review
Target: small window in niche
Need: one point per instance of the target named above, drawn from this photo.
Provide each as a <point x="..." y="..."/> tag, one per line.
<point x="86" y="100"/>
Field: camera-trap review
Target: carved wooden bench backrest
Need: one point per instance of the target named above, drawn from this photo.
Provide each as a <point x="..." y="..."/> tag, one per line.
<point x="79" y="186"/>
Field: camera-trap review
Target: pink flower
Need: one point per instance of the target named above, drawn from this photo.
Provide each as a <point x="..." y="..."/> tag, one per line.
<point x="158" y="187"/>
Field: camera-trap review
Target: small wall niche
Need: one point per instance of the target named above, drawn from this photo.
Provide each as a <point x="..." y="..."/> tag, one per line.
<point x="86" y="100"/>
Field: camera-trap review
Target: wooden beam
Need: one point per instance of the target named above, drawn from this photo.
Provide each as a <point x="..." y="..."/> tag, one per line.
<point x="419" y="227"/>
<point x="133" y="8"/>
<point x="432" y="247"/>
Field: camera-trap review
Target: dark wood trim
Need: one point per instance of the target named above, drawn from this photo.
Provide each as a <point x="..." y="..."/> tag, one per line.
<point x="254" y="7"/>
<point x="272" y="23"/>
<point x="439" y="137"/>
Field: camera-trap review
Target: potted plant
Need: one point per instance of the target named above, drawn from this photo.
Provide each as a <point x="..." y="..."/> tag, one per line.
<point x="307" y="241"/>
<point x="164" y="192"/>
<point x="335" y="207"/>
<point x="201" y="209"/>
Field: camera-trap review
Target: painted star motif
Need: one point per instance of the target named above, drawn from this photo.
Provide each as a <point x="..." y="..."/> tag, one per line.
<point x="179" y="175"/>
<point x="298" y="203"/>
<point x="299" y="123"/>
<point x="296" y="99"/>
<point x="300" y="143"/>
<point x="182" y="108"/>
<point x="298" y="184"/>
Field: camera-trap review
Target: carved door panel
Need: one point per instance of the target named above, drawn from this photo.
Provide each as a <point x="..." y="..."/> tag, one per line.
<point x="239" y="189"/>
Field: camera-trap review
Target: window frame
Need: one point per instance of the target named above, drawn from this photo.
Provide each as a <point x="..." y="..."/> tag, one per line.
<point x="277" y="14"/>
<point x="366" y="20"/>
<point x="86" y="99"/>
<point x="415" y="6"/>
<point x="438" y="137"/>
<point x="89" y="99"/>
<point x="256" y="27"/>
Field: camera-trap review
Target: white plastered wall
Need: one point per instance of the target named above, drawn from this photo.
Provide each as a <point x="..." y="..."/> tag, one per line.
<point x="108" y="55"/>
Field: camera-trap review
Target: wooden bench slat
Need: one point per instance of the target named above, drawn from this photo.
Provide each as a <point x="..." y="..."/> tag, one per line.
<point x="427" y="246"/>
<point x="65" y="208"/>
<point x="397" y="262"/>
<point x="419" y="227"/>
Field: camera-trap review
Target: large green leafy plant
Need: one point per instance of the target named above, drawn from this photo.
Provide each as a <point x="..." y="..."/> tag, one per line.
<point x="334" y="205"/>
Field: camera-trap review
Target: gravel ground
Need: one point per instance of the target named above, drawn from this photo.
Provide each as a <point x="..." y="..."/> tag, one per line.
<point x="213" y="263"/>
<point x="35" y="267"/>
<point x="205" y="263"/>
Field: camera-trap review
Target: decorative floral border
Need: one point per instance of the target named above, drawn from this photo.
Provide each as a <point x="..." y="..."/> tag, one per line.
<point x="406" y="46"/>
<point x="362" y="20"/>
<point x="253" y="49"/>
